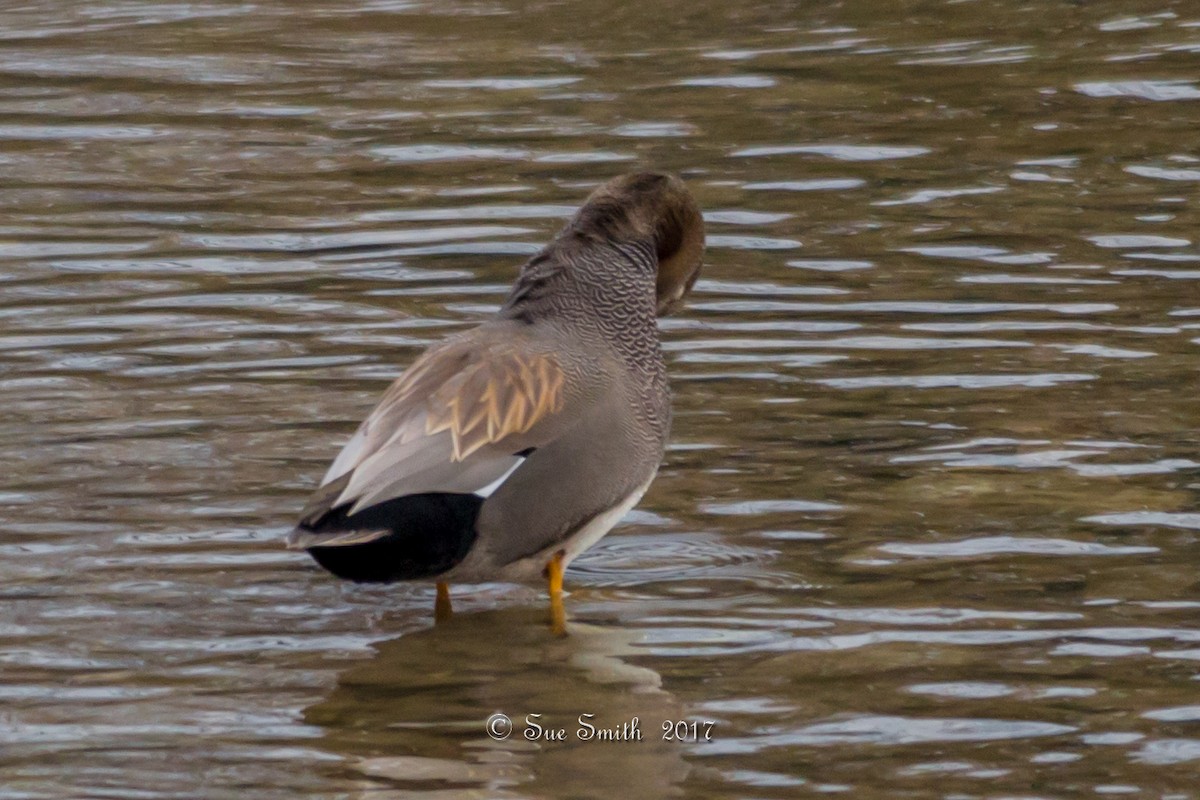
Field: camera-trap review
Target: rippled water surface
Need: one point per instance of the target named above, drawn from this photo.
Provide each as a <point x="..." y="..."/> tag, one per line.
<point x="928" y="524"/>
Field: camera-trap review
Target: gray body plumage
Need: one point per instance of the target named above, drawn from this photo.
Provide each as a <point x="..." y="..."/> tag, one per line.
<point x="597" y="308"/>
<point x="532" y="434"/>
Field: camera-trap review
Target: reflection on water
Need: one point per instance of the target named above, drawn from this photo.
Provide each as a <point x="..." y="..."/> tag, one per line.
<point x="543" y="682"/>
<point x="928" y="522"/>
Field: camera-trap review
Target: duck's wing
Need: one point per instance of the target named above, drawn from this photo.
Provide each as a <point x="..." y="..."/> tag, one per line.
<point x="459" y="420"/>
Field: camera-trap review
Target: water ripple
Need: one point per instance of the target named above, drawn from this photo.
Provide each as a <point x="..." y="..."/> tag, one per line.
<point x="1001" y="545"/>
<point x="839" y="152"/>
<point x="927" y="520"/>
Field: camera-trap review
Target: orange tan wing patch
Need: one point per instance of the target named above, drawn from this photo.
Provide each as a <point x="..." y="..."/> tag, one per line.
<point x="496" y="397"/>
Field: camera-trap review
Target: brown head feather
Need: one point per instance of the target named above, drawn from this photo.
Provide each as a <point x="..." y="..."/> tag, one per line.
<point x="655" y="208"/>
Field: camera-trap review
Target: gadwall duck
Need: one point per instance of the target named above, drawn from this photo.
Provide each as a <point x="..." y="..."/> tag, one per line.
<point x="505" y="451"/>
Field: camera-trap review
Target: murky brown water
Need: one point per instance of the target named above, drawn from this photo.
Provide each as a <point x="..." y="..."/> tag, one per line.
<point x="929" y="524"/>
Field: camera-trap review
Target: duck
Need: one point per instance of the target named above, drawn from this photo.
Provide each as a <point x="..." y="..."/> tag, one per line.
<point x="505" y="451"/>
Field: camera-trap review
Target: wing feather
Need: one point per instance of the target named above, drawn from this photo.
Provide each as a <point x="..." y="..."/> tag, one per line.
<point x="494" y="398"/>
<point x="452" y="423"/>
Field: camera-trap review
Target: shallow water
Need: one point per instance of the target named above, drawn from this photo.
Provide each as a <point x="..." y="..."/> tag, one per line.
<point x="928" y="525"/>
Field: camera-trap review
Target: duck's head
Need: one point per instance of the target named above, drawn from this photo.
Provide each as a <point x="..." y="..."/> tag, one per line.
<point x="656" y="208"/>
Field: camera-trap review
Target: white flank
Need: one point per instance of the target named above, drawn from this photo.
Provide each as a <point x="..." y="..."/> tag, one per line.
<point x="487" y="491"/>
<point x="591" y="533"/>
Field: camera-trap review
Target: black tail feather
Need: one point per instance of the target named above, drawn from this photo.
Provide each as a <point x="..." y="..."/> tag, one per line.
<point x="428" y="534"/>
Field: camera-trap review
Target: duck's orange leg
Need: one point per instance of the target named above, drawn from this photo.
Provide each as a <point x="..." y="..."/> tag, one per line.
<point x="441" y="607"/>
<point x="554" y="582"/>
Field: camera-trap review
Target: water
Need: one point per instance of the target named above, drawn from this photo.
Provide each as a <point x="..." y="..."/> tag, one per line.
<point x="928" y="525"/>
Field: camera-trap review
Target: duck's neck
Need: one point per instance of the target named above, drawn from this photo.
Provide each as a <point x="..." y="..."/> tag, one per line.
<point x="603" y="289"/>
